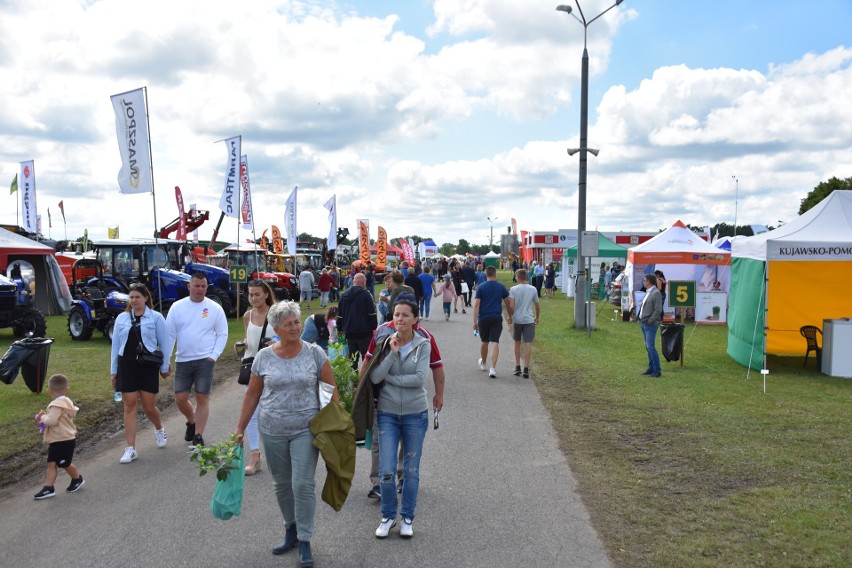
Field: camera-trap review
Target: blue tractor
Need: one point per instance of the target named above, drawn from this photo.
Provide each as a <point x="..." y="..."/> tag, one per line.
<point x="17" y="310"/>
<point x="96" y="300"/>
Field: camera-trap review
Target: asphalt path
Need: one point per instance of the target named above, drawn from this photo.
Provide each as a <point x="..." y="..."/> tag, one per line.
<point x="495" y="491"/>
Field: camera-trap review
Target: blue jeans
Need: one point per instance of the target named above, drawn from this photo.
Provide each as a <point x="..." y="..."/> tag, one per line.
<point x="425" y="305"/>
<point x="649" y="333"/>
<point x="292" y="464"/>
<point x="411" y="429"/>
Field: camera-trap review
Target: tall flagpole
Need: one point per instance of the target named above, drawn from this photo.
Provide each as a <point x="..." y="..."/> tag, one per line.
<point x="153" y="195"/>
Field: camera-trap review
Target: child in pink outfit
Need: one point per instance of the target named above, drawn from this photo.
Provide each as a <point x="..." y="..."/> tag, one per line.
<point x="448" y="294"/>
<point x="60" y="435"/>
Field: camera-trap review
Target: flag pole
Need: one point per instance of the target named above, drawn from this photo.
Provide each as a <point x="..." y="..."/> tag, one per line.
<point x="153" y="195"/>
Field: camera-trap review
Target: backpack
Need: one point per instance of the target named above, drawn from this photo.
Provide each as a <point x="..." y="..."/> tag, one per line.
<point x="322" y="326"/>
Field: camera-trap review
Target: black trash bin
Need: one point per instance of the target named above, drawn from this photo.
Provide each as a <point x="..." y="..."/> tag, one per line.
<point x="671" y="338"/>
<point x="30" y="356"/>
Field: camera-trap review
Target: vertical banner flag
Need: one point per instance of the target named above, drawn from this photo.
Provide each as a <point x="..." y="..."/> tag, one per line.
<point x="62" y="209"/>
<point x="38" y="224"/>
<point x="514" y="227"/>
<point x="246" y="208"/>
<point x="181" y="229"/>
<point x="382" y="247"/>
<point x="407" y="253"/>
<point x="131" y="129"/>
<point x="28" y="196"/>
<point x="193" y="209"/>
<point x="413" y="250"/>
<point x="14" y="187"/>
<point x="49" y="219"/>
<point x="86" y="238"/>
<point x="229" y="203"/>
<point x="277" y="243"/>
<point x="263" y="242"/>
<point x="290" y="222"/>
<point x="112" y="233"/>
<point x="331" y="205"/>
<point x="364" y="240"/>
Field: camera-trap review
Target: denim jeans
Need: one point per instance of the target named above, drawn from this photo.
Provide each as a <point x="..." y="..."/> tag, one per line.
<point x="425" y="305"/>
<point x="411" y="429"/>
<point x="649" y="333"/>
<point x="292" y="464"/>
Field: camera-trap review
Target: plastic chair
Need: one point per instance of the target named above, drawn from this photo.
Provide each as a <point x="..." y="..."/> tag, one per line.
<point x="809" y="332"/>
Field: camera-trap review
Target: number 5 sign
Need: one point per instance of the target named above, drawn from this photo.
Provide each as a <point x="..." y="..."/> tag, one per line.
<point x="682" y="293"/>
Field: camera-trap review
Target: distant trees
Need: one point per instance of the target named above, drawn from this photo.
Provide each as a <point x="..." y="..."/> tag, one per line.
<point x="822" y="191"/>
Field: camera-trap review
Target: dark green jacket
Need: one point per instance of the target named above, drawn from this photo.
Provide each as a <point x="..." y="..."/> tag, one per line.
<point x="334" y="437"/>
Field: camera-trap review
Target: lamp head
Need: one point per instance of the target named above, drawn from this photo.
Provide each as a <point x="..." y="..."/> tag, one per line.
<point x="564" y="8"/>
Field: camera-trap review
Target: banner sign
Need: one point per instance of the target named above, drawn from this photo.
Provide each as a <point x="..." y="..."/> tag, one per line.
<point x="246" y="208"/>
<point x="407" y="252"/>
<point x="382" y="247"/>
<point x="28" y="196"/>
<point x="331" y="205"/>
<point x="181" y="230"/>
<point x="364" y="240"/>
<point x="229" y="202"/>
<point x="277" y="242"/>
<point x="131" y="129"/>
<point x="290" y="222"/>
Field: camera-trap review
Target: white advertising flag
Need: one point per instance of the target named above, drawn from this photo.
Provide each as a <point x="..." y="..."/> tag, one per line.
<point x="229" y="203"/>
<point x="246" y="213"/>
<point x="331" y="205"/>
<point x="131" y="129"/>
<point x="27" y="189"/>
<point x="290" y="222"/>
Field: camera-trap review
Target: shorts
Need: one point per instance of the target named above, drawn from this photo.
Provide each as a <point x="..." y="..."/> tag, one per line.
<point x="305" y="295"/>
<point x="142" y="378"/>
<point x="525" y="331"/>
<point x="490" y="329"/>
<point x="198" y="373"/>
<point x="61" y="452"/>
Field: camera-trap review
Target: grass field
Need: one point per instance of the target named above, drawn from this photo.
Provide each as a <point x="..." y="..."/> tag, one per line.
<point x="696" y="468"/>
<point x="699" y="467"/>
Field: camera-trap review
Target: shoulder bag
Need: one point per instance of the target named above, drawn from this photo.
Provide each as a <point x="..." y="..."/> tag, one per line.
<point x="245" y="365"/>
<point x="143" y="356"/>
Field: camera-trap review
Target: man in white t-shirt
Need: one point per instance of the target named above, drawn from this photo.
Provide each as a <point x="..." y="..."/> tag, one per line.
<point x="523" y="319"/>
<point x="199" y="327"/>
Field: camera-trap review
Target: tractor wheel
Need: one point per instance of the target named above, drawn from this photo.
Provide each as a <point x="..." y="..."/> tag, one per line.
<point x="78" y="324"/>
<point x="31" y="324"/>
<point x="108" y="331"/>
<point x="282" y="293"/>
<point x="221" y="298"/>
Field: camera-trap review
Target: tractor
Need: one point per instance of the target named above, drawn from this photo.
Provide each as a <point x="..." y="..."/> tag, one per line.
<point x="96" y="300"/>
<point x="16" y="307"/>
<point x="284" y="284"/>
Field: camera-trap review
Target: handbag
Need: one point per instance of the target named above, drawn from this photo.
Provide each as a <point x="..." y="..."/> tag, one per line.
<point x="143" y="356"/>
<point x="245" y="364"/>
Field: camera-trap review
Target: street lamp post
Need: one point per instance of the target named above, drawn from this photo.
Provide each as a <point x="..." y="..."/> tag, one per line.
<point x="580" y="320"/>
<point x="736" y="201"/>
<point x="491" y="238"/>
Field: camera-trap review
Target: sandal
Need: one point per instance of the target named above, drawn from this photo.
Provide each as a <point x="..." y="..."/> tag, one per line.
<point x="255" y="463"/>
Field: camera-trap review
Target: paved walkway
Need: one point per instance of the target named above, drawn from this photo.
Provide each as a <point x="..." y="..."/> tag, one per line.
<point x="495" y="492"/>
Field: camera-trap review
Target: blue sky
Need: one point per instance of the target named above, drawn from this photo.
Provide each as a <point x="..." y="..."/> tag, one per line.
<point x="429" y="116"/>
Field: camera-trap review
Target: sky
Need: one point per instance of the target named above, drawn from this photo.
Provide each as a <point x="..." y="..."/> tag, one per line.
<point x="430" y="117"/>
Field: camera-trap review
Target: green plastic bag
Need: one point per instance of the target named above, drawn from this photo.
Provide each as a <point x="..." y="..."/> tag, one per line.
<point x="227" y="498"/>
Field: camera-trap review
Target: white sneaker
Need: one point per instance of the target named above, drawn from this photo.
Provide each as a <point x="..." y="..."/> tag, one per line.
<point x="161" y="437"/>
<point x="406" y="530"/>
<point x="384" y="527"/>
<point x="129" y="455"/>
<point x="492" y="373"/>
<point x="481" y="364"/>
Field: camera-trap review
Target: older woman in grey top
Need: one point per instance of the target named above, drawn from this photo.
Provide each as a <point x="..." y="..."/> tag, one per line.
<point x="284" y="381"/>
<point x="402" y="415"/>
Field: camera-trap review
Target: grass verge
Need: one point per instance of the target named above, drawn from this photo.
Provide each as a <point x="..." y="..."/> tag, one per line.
<point x="698" y="467"/>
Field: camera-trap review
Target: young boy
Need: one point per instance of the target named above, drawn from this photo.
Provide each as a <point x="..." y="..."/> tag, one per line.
<point x="60" y="435"/>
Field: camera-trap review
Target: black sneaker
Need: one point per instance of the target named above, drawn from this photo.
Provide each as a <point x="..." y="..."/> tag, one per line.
<point x="517" y="371"/>
<point x="526" y="372"/>
<point x="198" y="440"/>
<point x="76" y="484"/>
<point x="45" y="493"/>
<point x="190" y="431"/>
<point x="375" y="493"/>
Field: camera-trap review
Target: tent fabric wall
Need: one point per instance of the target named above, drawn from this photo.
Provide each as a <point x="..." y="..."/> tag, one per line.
<point x="746" y="312"/>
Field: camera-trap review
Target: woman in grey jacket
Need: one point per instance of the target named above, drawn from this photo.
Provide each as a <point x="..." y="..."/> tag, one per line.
<point x="403" y="415"/>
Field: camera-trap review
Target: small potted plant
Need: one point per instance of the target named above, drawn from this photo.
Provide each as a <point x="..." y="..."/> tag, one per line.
<point x="223" y="458"/>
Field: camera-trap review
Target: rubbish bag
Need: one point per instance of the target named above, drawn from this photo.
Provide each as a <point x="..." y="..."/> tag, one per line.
<point x="227" y="498"/>
<point x="671" y="338"/>
<point x="29" y="355"/>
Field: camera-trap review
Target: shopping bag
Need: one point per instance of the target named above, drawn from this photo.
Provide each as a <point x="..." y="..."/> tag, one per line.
<point x="227" y="498"/>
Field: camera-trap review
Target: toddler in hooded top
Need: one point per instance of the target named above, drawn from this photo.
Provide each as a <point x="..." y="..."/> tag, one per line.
<point x="60" y="435"/>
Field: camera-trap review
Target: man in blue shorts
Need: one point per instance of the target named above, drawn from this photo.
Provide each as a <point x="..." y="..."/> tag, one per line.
<point x="488" y="318"/>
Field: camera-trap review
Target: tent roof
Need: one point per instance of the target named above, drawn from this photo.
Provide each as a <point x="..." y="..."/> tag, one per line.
<point x="606" y="249"/>
<point x="13" y="243"/>
<point x="677" y="245"/>
<point x="491" y="254"/>
<point x="821" y="233"/>
<point x="390" y="249"/>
